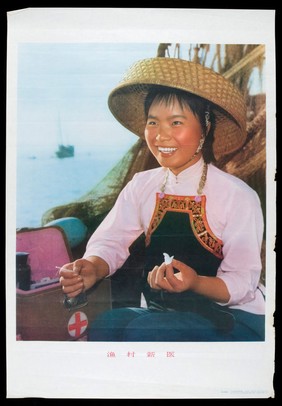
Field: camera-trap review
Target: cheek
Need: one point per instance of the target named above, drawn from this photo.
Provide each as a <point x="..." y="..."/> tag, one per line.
<point x="189" y="137"/>
<point x="149" y="136"/>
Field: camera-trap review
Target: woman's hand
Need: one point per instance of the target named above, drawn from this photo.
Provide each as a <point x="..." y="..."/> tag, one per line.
<point x="81" y="275"/>
<point x="163" y="277"/>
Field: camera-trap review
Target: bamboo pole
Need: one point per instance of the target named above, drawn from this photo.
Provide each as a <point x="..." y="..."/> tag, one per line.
<point x="250" y="57"/>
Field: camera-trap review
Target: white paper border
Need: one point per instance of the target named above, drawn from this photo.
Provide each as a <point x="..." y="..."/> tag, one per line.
<point x="198" y="370"/>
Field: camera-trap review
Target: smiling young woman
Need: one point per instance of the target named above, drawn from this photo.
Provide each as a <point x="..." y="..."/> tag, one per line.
<point x="209" y="221"/>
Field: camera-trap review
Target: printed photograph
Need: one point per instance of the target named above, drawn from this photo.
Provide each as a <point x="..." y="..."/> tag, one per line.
<point x="141" y="181"/>
<point x="140" y="203"/>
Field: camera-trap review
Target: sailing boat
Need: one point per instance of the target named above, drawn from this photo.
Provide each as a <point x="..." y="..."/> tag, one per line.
<point x="64" y="150"/>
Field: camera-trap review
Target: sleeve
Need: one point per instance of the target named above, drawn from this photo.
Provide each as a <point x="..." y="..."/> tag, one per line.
<point x="242" y="239"/>
<point x="120" y="228"/>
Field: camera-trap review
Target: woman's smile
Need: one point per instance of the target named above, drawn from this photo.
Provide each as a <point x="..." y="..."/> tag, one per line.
<point x="167" y="151"/>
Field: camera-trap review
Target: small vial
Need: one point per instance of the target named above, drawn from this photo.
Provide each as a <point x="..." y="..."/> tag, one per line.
<point x="72" y="303"/>
<point x="23" y="271"/>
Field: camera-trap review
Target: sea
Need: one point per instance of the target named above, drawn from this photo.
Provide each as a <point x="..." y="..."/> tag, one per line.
<point x="45" y="181"/>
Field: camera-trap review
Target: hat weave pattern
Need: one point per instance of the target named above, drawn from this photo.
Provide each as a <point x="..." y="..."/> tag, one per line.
<point x="126" y="101"/>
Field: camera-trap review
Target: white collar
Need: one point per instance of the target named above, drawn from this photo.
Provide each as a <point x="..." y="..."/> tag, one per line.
<point x="191" y="173"/>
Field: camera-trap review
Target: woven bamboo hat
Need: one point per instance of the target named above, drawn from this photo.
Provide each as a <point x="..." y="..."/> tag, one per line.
<point x="126" y="101"/>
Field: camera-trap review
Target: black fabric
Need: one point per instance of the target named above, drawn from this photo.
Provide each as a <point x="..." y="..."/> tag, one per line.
<point x="175" y="236"/>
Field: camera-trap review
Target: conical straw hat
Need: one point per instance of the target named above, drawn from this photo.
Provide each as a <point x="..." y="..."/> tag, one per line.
<point x="126" y="101"/>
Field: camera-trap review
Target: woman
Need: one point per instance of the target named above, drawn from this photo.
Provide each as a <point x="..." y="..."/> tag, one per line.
<point x="209" y="221"/>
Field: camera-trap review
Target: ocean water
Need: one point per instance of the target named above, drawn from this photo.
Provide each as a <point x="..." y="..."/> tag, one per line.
<point x="44" y="182"/>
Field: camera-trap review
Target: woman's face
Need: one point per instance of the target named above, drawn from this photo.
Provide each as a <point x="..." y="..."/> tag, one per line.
<point x="173" y="134"/>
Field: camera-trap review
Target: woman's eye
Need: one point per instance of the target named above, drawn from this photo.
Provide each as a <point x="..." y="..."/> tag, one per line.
<point x="176" y="122"/>
<point x="151" y="122"/>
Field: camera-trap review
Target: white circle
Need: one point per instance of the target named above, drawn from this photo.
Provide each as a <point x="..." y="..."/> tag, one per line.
<point x="77" y="324"/>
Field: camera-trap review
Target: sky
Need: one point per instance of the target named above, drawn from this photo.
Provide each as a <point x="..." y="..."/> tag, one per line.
<point x="63" y="90"/>
<point x="68" y="85"/>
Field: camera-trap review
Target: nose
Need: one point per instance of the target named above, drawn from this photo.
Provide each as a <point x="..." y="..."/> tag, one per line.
<point x="164" y="133"/>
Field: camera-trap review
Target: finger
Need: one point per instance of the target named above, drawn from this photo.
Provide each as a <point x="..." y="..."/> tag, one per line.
<point x="178" y="265"/>
<point x="151" y="278"/>
<point x="67" y="271"/>
<point x="174" y="282"/>
<point x="73" y="293"/>
<point x="68" y="276"/>
<point x="74" y="289"/>
<point x="70" y="281"/>
<point x="160" y="274"/>
<point x="161" y="280"/>
<point x="78" y="266"/>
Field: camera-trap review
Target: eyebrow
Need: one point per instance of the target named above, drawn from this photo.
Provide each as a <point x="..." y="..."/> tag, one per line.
<point x="173" y="116"/>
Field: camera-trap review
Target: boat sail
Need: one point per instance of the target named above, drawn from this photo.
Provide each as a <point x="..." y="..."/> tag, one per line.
<point x="65" y="150"/>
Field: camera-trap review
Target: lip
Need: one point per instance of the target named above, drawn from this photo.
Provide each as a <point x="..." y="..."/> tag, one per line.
<point x="167" y="150"/>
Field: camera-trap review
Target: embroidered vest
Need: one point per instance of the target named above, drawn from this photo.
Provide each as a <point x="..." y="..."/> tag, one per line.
<point x="179" y="227"/>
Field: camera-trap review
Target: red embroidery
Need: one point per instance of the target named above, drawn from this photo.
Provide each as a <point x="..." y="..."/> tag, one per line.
<point x="196" y="208"/>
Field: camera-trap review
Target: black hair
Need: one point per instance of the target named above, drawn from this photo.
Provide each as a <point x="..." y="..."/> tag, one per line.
<point x="196" y="104"/>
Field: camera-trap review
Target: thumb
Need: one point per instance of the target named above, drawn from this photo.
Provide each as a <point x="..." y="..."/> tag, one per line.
<point x="169" y="270"/>
<point x="178" y="265"/>
<point x="77" y="266"/>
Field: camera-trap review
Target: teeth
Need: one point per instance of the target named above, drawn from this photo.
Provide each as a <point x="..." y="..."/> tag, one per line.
<point x="166" y="150"/>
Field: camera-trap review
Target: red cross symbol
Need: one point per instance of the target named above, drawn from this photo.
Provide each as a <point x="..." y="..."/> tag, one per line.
<point x="77" y="324"/>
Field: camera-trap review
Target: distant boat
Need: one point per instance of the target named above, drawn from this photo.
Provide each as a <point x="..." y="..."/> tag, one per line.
<point x="65" y="151"/>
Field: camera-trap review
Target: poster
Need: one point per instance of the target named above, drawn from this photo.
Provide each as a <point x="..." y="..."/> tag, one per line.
<point x="69" y="39"/>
